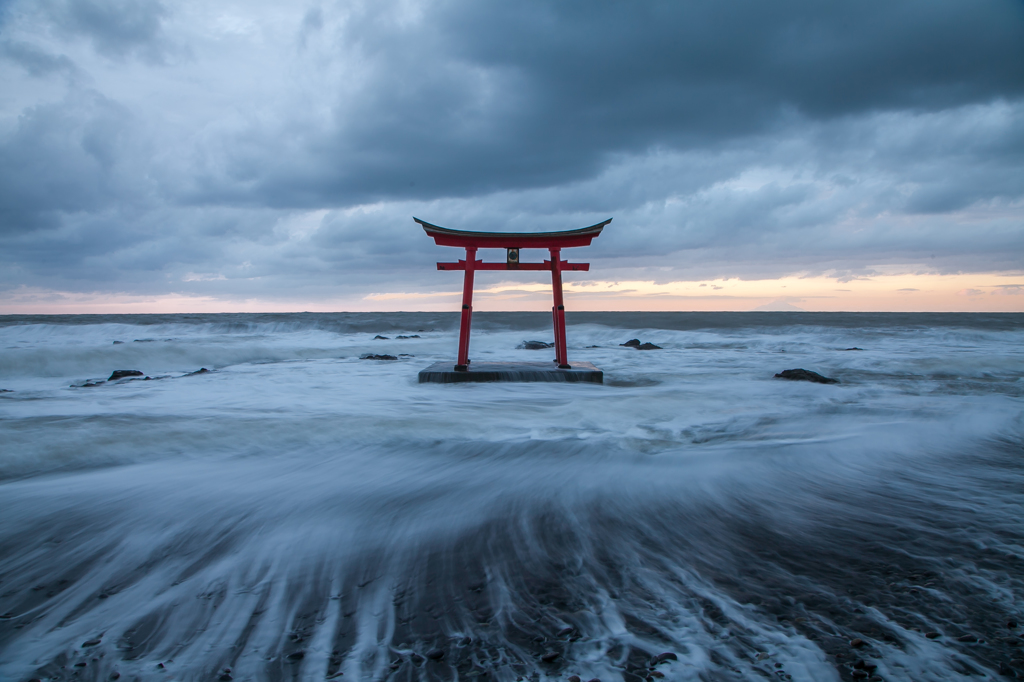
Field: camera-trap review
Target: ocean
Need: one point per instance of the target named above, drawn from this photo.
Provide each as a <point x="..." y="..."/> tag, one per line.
<point x="298" y="513"/>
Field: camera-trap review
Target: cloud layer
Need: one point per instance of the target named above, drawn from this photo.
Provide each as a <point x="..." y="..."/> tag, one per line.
<point x="253" y="150"/>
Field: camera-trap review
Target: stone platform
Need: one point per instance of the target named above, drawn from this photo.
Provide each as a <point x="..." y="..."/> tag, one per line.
<point x="444" y="372"/>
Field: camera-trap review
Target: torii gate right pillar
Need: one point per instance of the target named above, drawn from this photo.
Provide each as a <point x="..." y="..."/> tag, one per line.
<point x="558" y="310"/>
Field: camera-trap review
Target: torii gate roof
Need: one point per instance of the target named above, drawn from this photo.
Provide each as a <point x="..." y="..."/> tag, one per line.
<point x="512" y="240"/>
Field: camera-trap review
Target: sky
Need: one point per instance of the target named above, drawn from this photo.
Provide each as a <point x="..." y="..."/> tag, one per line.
<point x="265" y="156"/>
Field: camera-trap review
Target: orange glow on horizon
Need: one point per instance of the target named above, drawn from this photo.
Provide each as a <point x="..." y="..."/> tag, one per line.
<point x="987" y="292"/>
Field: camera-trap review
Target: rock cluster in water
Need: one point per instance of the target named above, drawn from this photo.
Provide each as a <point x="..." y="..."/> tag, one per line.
<point x="374" y="356"/>
<point x="635" y="343"/>
<point x="534" y="345"/>
<point x="805" y="375"/>
<point x="122" y="373"/>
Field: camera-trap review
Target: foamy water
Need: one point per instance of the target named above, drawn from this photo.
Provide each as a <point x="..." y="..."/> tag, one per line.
<point x="298" y="512"/>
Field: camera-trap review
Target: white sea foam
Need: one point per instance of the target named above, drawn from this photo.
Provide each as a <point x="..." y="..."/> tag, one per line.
<point x="298" y="498"/>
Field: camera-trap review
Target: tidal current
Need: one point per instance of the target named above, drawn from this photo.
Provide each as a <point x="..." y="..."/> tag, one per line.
<point x="299" y="513"/>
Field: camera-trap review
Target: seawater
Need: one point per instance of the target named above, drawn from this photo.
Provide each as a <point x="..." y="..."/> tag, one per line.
<point x="298" y="513"/>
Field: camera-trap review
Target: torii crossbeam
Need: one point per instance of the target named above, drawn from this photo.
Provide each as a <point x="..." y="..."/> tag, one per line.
<point x="512" y="242"/>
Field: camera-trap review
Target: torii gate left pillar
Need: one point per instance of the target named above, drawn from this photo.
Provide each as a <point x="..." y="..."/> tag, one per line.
<point x="512" y="242"/>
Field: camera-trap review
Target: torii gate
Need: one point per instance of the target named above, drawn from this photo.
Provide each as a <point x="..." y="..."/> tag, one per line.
<point x="554" y="242"/>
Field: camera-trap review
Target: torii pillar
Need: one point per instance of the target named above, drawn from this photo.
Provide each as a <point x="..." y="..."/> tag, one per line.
<point x="512" y="242"/>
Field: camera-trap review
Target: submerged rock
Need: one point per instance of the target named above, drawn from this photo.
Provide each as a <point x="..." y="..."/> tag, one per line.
<point x="380" y="337"/>
<point x="805" y="375"/>
<point x="648" y="346"/>
<point x="534" y="345"/>
<point x="201" y="370"/>
<point x="122" y="373"/>
<point x="435" y="654"/>
<point x="411" y="336"/>
<point x="116" y="343"/>
<point x="373" y="356"/>
<point x="633" y="343"/>
<point x="854" y="348"/>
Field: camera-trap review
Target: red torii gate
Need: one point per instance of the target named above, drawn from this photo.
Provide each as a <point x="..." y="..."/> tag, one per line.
<point x="554" y="242"/>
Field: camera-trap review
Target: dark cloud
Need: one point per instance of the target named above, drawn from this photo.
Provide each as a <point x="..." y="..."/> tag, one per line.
<point x="477" y="97"/>
<point x="116" y="28"/>
<point x="36" y="61"/>
<point x="288" y="154"/>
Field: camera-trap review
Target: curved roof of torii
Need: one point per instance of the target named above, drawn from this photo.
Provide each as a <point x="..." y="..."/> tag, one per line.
<point x="512" y="240"/>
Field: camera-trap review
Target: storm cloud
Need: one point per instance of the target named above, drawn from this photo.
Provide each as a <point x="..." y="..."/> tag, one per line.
<point x="257" y="150"/>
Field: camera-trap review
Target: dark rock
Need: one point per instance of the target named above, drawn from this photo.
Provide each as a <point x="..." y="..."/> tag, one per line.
<point x="565" y="631"/>
<point x="661" y="658"/>
<point x="534" y="345"/>
<point x="372" y="356"/>
<point x="160" y="666"/>
<point x="634" y="343"/>
<point x="805" y="375"/>
<point x="854" y="348"/>
<point x="968" y="639"/>
<point x="648" y="346"/>
<point x="201" y="370"/>
<point x="91" y="642"/>
<point x="411" y="336"/>
<point x="122" y="373"/>
<point x="549" y="657"/>
<point x="932" y="635"/>
<point x="296" y="656"/>
<point x="435" y="654"/>
<point x="225" y="677"/>
<point x="574" y="678"/>
<point x="379" y="337"/>
<point x="1012" y="641"/>
<point x="1011" y="624"/>
<point x="859" y="674"/>
<point x="81" y="664"/>
<point x="656" y="674"/>
<point x="115" y="675"/>
<point x="596" y="679"/>
<point x="857" y="643"/>
<point x="117" y="343"/>
<point x="6" y="390"/>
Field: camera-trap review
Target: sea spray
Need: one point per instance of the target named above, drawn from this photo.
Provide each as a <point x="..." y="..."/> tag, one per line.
<point x="299" y="513"/>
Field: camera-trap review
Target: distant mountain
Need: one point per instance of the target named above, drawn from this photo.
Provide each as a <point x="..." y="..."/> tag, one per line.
<point x="778" y="307"/>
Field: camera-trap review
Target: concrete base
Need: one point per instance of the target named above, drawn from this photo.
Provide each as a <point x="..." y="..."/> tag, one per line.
<point x="444" y="372"/>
